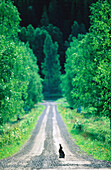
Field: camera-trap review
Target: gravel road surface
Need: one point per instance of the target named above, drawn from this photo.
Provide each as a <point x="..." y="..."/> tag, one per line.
<point x="42" y="149"/>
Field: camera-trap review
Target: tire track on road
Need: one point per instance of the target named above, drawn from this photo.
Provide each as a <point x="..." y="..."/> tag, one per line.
<point x="41" y="150"/>
<point x="33" y="147"/>
<point x="48" y="159"/>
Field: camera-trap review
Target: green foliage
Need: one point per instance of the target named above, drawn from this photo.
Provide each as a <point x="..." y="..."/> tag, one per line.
<point x="30" y="34"/>
<point x="36" y="38"/>
<point x="9" y="19"/>
<point x="27" y="34"/>
<point x="82" y="29"/>
<point x="23" y="34"/>
<point x="100" y="30"/>
<point x="37" y="46"/>
<point x="18" y="77"/>
<point x="14" y="67"/>
<point x="57" y="35"/>
<point x="87" y="67"/>
<point x="76" y="29"/>
<point x="14" y="75"/>
<point x="34" y="90"/>
<point x="67" y="80"/>
<point x="51" y="66"/>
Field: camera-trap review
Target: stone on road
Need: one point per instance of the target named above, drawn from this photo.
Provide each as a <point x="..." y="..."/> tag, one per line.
<point x="42" y="149"/>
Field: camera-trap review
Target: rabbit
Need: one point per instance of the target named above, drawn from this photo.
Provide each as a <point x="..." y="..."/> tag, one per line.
<point x="61" y="152"/>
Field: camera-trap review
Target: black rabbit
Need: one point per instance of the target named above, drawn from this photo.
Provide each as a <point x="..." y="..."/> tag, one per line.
<point x="61" y="152"/>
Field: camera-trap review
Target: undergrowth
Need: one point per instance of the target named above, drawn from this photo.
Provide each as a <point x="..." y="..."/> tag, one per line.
<point x="14" y="135"/>
<point x="91" y="133"/>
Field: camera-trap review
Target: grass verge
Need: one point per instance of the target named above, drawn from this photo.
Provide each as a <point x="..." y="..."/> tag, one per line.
<point x="91" y="133"/>
<point x="13" y="136"/>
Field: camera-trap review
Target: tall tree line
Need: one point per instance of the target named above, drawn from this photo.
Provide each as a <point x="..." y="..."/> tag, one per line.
<point x="88" y="64"/>
<point x="46" y="43"/>
<point x="48" y="57"/>
<point x="20" y="83"/>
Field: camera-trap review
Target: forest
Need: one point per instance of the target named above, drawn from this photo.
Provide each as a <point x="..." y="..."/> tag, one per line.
<point x="50" y="49"/>
<point x="60" y="13"/>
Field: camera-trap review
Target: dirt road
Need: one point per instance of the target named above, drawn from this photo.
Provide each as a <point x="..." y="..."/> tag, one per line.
<point x="41" y="151"/>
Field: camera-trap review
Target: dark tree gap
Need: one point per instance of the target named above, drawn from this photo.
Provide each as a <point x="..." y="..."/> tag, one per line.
<point x="61" y="13"/>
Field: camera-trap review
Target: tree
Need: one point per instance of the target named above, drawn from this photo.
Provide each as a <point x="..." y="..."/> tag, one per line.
<point x="23" y="34"/>
<point x="82" y="29"/>
<point x="14" y="67"/>
<point x="57" y="36"/>
<point x="100" y="30"/>
<point x="90" y="55"/>
<point x="44" y="19"/>
<point x="30" y="34"/>
<point x="34" y="90"/>
<point x="83" y="91"/>
<point x="73" y="68"/>
<point x="37" y="46"/>
<point x="9" y="24"/>
<point x="36" y="38"/>
<point x="14" y="78"/>
<point x="9" y="19"/>
<point x="76" y="29"/>
<point x="53" y="12"/>
<point x="51" y="67"/>
<point x="20" y="83"/>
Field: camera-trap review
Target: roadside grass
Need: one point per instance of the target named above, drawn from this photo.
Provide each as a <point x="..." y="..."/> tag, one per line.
<point x="91" y="133"/>
<point x="14" y="135"/>
<point x="61" y="100"/>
